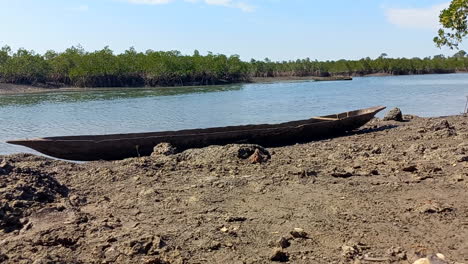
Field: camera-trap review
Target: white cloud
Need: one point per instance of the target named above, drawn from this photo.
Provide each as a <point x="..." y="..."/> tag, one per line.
<point x="418" y="18"/>
<point x="226" y="3"/>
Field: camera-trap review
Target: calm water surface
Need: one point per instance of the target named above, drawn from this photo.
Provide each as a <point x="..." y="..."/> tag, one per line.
<point x="146" y="110"/>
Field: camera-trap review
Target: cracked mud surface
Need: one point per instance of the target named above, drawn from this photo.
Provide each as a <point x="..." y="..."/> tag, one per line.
<point x="389" y="193"/>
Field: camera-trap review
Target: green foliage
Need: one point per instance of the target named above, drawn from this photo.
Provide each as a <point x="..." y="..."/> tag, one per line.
<point x="460" y="54"/>
<point x="24" y="67"/>
<point x="4" y="54"/>
<point x="103" y="68"/>
<point x="382" y="65"/>
<point x="454" y="23"/>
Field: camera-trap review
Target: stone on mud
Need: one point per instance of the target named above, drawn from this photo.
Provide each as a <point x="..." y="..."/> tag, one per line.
<point x="441" y="125"/>
<point x="342" y="173"/>
<point x="462" y="158"/>
<point x="255" y="153"/>
<point x="417" y="148"/>
<point x="442" y="129"/>
<point x="350" y="252"/>
<point x="298" y="233"/>
<point x="432" y="259"/>
<point x="410" y="168"/>
<point x="227" y="154"/>
<point x="236" y="219"/>
<point x="5" y="168"/>
<point x="397" y="254"/>
<point x="434" y="208"/>
<point x="145" y="246"/>
<point x="164" y="149"/>
<point x="279" y="255"/>
<point x="283" y="242"/>
<point x="394" y="114"/>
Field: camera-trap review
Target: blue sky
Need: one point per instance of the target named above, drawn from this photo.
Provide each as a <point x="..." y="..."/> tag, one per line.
<point x="277" y="29"/>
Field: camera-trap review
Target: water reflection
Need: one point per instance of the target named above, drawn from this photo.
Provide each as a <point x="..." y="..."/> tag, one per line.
<point x="113" y="111"/>
<point x="102" y="94"/>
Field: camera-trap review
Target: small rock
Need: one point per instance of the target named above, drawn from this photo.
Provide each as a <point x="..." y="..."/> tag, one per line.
<point x="376" y="150"/>
<point x="350" y="252"/>
<point x="164" y="149"/>
<point x="434" y="208"/>
<point x="158" y="242"/>
<point x="410" y="168"/>
<point x="148" y="192"/>
<point x="305" y="173"/>
<point x="17" y="204"/>
<point x="298" y="233"/>
<point x="417" y="148"/>
<point x="441" y="125"/>
<point x="459" y="178"/>
<point x="145" y="246"/>
<point x="422" y="261"/>
<point x="433" y="259"/>
<point x="236" y="219"/>
<point x="394" y="114"/>
<point x="397" y="254"/>
<point x="246" y="151"/>
<point x="258" y="157"/>
<point x="214" y="245"/>
<point x="279" y="255"/>
<point x="443" y="128"/>
<point x="340" y="173"/>
<point x="5" y="168"/>
<point x="27" y="226"/>
<point x="431" y="168"/>
<point x="77" y="200"/>
<point x="463" y="158"/>
<point x="111" y="254"/>
<point x="229" y="245"/>
<point x="283" y="242"/>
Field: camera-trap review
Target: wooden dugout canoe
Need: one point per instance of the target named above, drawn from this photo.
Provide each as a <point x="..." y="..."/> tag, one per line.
<point x="121" y="146"/>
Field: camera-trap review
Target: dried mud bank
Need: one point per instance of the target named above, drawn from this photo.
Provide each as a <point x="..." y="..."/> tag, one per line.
<point x="389" y="193"/>
<point x="6" y="88"/>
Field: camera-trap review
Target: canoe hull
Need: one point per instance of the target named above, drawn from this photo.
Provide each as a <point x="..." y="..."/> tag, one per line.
<point x="121" y="146"/>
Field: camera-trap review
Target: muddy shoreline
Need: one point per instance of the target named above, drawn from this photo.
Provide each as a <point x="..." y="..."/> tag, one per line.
<point x="7" y="88"/>
<point x="391" y="192"/>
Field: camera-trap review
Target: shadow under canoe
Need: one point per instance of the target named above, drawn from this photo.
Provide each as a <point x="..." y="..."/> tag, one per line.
<point x="121" y="146"/>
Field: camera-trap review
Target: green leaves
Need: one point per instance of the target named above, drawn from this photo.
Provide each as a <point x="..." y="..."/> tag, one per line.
<point x="103" y="68"/>
<point x="23" y="66"/>
<point x="454" y="23"/>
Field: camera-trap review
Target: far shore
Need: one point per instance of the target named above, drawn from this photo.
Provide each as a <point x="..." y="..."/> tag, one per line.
<point x="8" y="88"/>
<point x="299" y="78"/>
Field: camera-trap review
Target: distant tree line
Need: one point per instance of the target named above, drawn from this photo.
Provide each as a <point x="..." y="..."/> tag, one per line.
<point x="103" y="68"/>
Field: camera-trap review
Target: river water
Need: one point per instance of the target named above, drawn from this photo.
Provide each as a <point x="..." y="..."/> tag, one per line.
<point x="158" y="109"/>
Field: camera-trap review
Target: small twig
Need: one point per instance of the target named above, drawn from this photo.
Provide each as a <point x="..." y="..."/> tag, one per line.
<point x="138" y="152"/>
